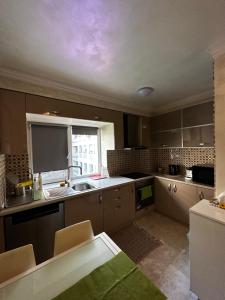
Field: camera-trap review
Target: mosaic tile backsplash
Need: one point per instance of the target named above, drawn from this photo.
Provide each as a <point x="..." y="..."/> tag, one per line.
<point x="149" y="160"/>
<point x="2" y="180"/>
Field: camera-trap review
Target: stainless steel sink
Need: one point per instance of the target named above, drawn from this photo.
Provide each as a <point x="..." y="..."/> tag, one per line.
<point x="83" y="186"/>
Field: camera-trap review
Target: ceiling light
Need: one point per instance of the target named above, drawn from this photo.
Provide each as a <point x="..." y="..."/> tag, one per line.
<point x="145" y="91"/>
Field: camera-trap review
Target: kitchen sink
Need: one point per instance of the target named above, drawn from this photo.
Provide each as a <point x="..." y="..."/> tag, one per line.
<point x="83" y="186"/>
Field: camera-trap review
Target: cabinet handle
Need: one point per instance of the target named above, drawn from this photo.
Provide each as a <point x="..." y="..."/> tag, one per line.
<point x="169" y="187"/>
<point x="201" y="196"/>
<point x="175" y="188"/>
<point x="117" y="190"/>
<point x="100" y="199"/>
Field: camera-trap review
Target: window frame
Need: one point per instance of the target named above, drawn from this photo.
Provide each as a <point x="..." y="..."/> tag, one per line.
<point x="69" y="156"/>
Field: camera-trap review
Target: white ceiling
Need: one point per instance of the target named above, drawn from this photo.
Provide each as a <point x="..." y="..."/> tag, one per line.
<point x="114" y="47"/>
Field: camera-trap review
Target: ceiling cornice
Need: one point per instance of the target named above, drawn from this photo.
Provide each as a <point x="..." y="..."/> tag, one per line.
<point x="185" y="102"/>
<point x="80" y="95"/>
<point x="217" y="49"/>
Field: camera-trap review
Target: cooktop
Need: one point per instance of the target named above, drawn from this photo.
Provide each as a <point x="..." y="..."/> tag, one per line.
<point x="135" y="175"/>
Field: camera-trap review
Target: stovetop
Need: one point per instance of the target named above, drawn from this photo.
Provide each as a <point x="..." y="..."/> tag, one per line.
<point x="135" y="175"/>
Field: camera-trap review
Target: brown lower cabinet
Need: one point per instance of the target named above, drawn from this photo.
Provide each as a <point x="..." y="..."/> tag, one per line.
<point x="87" y="207"/>
<point x="174" y="199"/>
<point x="119" y="207"/>
<point x="108" y="210"/>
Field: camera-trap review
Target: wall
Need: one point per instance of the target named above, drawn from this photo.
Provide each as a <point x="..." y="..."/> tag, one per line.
<point x="219" y="86"/>
<point x="149" y="160"/>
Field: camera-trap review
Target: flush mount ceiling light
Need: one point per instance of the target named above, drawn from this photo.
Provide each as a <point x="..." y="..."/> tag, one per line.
<point x="145" y="91"/>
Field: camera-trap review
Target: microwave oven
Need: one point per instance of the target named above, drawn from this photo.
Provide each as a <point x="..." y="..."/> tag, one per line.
<point x="203" y="174"/>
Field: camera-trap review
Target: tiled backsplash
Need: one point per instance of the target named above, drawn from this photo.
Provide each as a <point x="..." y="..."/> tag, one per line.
<point x="149" y="160"/>
<point x="18" y="164"/>
<point x="2" y="180"/>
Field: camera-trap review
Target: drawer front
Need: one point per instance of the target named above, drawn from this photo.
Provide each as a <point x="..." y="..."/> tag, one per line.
<point x="117" y="193"/>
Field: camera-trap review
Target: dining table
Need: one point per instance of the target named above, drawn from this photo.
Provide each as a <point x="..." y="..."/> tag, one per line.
<point x="47" y="280"/>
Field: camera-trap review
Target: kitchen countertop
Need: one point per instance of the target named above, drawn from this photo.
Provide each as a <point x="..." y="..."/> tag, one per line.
<point x="180" y="178"/>
<point x="206" y="210"/>
<point x="101" y="184"/>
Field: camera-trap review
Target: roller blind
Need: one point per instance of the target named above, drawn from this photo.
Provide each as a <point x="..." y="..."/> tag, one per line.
<point x="83" y="130"/>
<point x="49" y="147"/>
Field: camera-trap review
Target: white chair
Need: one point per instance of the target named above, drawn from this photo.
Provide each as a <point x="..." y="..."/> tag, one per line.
<point x="72" y="236"/>
<point x="16" y="261"/>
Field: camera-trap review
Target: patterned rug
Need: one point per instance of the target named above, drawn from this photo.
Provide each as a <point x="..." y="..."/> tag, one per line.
<point x="135" y="242"/>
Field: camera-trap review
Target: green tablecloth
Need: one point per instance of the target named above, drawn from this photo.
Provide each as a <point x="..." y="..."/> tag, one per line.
<point x="117" y="279"/>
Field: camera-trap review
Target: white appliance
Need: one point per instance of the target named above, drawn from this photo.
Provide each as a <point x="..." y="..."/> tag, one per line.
<point x="207" y="251"/>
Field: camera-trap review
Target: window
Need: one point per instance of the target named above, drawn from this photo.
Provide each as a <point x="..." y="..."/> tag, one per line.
<point x="86" y="138"/>
<point x="50" y="145"/>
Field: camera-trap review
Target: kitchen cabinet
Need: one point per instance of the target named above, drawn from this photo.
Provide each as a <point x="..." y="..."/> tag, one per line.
<point x="2" y="236"/>
<point x="200" y="114"/>
<point x="119" y="207"/>
<point x="174" y="199"/>
<point x="171" y="120"/>
<point x="204" y="193"/>
<point x="171" y="138"/>
<point x="39" y="105"/>
<point x="13" y="136"/>
<point x="202" y="136"/>
<point x="145" y="139"/>
<point x="87" y="207"/>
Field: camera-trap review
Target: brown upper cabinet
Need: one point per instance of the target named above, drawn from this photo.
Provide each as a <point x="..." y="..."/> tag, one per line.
<point x="201" y="136"/>
<point x="13" y="137"/>
<point x="200" y="114"/>
<point x="39" y="105"/>
<point x="172" y="138"/>
<point x="171" y="120"/>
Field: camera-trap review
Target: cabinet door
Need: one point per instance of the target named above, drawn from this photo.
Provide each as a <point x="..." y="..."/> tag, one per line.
<point x="87" y="207"/>
<point x="198" y="114"/>
<point x="13" y="136"/>
<point x="2" y="235"/>
<point x="171" y="120"/>
<point x="163" y="196"/>
<point x="199" y="136"/>
<point x="119" y="207"/>
<point x="184" y="197"/>
<point x="204" y="193"/>
<point x="171" y="138"/>
<point x="145" y="132"/>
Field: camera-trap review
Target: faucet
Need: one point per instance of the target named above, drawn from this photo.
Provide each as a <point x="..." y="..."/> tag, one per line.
<point x="69" y="174"/>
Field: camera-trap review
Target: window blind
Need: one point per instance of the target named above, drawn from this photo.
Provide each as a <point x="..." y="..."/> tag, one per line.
<point x="49" y="148"/>
<point x="83" y="130"/>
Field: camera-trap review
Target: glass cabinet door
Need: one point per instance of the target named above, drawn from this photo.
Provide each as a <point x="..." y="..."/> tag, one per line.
<point x="202" y="136"/>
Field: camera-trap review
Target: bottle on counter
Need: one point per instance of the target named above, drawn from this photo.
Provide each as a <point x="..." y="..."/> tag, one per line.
<point x="40" y="187"/>
<point x="37" y="188"/>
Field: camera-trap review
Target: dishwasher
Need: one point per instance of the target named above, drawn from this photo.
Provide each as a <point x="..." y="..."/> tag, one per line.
<point x="35" y="226"/>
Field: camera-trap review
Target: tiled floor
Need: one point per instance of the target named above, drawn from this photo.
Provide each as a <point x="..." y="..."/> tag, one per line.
<point x="168" y="265"/>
